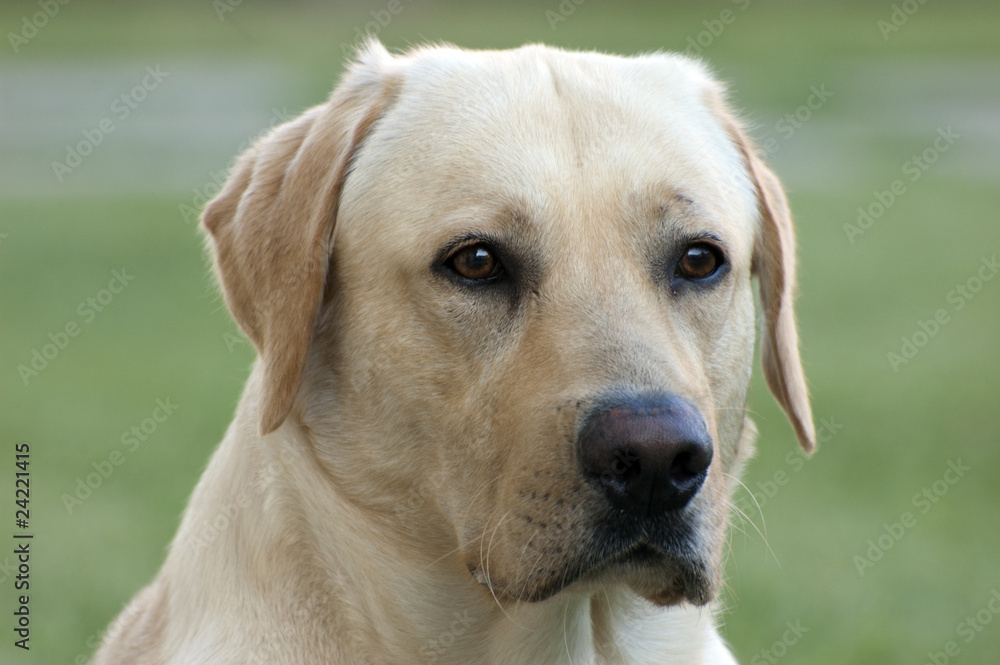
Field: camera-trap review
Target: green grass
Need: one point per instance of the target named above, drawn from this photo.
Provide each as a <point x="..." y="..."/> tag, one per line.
<point x="164" y="335"/>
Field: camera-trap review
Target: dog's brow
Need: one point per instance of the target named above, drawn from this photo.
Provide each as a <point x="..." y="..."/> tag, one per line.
<point x="672" y="204"/>
<point x="505" y="227"/>
<point x="678" y="199"/>
<point x="689" y="238"/>
<point x="681" y="218"/>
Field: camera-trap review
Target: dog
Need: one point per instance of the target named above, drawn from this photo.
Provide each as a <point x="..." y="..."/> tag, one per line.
<point x="504" y="314"/>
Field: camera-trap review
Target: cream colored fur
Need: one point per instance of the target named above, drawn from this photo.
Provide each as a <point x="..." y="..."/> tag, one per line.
<point x="381" y="493"/>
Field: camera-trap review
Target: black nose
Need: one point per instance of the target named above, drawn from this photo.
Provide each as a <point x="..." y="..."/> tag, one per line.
<point x="647" y="454"/>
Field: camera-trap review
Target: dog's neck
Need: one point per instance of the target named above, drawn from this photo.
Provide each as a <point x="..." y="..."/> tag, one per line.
<point x="337" y="572"/>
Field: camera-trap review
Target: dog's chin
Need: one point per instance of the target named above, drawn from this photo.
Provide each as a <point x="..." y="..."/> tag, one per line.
<point x="660" y="576"/>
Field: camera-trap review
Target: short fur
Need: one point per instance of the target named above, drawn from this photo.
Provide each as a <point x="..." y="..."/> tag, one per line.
<point x="399" y="484"/>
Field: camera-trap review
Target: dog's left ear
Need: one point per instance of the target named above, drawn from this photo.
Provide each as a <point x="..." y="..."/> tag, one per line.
<point x="774" y="261"/>
<point x="272" y="225"/>
<point x="774" y="265"/>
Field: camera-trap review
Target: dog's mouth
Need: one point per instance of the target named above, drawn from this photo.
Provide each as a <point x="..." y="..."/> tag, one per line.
<point x="664" y="577"/>
<point x="663" y="563"/>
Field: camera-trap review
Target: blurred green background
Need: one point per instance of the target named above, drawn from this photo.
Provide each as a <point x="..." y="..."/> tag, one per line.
<point x="844" y="96"/>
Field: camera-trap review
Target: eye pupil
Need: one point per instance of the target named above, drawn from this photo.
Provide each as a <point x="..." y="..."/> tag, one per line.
<point x="480" y="258"/>
<point x="698" y="262"/>
<point x="476" y="263"/>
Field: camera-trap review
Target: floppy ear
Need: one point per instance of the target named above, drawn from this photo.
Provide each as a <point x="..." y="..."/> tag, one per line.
<point x="271" y="226"/>
<point x="774" y="261"/>
<point x="774" y="265"/>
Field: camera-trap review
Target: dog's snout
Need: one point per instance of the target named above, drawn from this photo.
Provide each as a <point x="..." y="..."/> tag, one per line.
<point x="648" y="455"/>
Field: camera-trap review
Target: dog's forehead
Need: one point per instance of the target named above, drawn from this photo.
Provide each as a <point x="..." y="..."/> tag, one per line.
<point x="555" y="129"/>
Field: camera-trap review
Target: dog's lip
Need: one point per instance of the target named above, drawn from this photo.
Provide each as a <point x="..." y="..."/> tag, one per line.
<point x="659" y="574"/>
<point x="677" y="577"/>
<point x="640" y="555"/>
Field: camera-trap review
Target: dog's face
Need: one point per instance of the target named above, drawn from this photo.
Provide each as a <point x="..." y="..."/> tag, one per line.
<point x="533" y="318"/>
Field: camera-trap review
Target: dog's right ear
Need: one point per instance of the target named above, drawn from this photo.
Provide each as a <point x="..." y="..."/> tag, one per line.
<point x="272" y="224"/>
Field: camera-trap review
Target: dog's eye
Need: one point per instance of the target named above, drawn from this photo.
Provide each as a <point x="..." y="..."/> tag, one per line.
<point x="476" y="263"/>
<point x="699" y="261"/>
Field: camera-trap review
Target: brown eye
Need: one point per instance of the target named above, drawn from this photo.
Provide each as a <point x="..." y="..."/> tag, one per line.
<point x="476" y="263"/>
<point x="699" y="261"/>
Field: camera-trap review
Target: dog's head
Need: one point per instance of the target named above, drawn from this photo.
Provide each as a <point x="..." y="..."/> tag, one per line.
<point x="512" y="291"/>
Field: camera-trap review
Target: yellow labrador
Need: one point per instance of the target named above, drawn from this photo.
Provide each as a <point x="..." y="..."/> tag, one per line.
<point x="502" y="303"/>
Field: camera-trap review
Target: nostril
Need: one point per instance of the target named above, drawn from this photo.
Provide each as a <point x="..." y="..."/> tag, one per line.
<point x="689" y="465"/>
<point x="681" y="470"/>
<point x="694" y="458"/>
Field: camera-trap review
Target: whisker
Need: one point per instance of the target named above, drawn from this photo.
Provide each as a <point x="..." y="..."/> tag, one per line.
<point x="485" y="562"/>
<point x="762" y="534"/>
